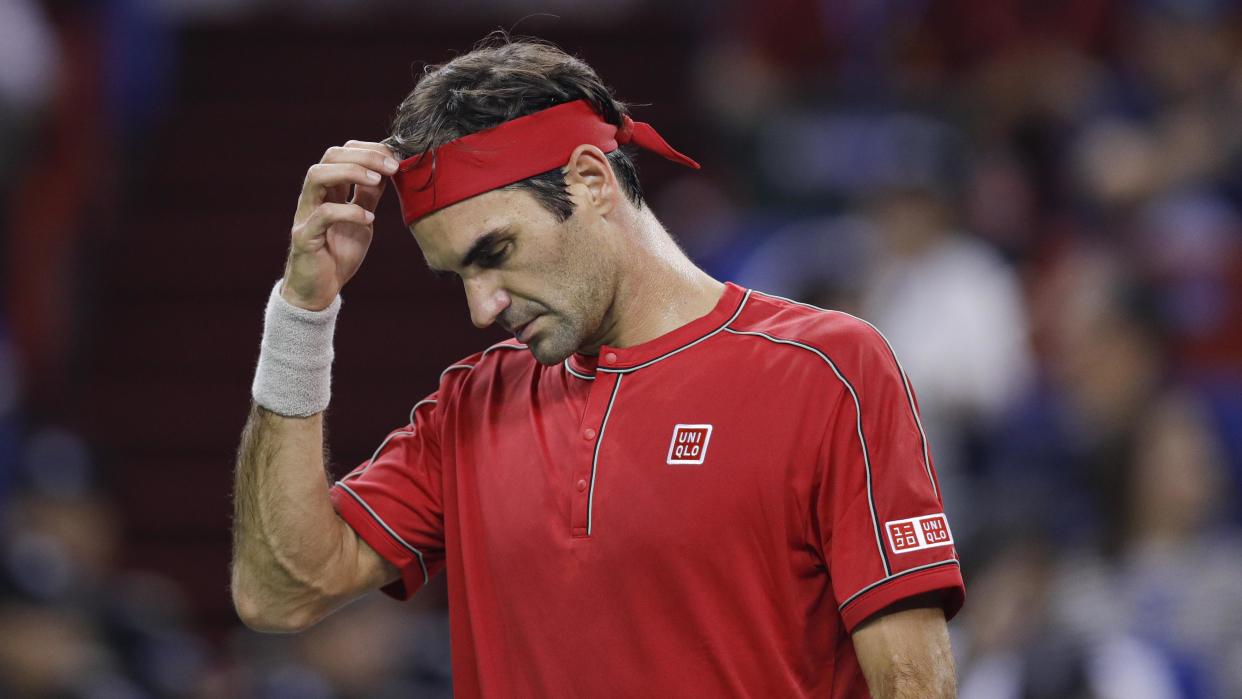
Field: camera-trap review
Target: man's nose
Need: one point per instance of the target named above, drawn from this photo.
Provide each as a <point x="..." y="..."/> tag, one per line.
<point x="487" y="300"/>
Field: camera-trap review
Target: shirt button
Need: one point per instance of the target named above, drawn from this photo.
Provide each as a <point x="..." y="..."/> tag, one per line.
<point x="581" y="485"/>
<point x="588" y="433"/>
<point x="611" y="357"/>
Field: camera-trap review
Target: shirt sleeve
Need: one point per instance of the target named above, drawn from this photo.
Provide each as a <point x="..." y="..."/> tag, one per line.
<point x="394" y="500"/>
<point x="881" y="522"/>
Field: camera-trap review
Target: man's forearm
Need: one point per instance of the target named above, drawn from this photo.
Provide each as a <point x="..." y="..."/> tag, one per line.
<point x="906" y="678"/>
<point x="905" y="652"/>
<point x="286" y="536"/>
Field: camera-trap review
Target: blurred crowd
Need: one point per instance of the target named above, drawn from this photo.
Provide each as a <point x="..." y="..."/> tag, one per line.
<point x="1039" y="204"/>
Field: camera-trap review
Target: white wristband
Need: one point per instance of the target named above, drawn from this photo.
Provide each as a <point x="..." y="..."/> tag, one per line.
<point x="294" y="376"/>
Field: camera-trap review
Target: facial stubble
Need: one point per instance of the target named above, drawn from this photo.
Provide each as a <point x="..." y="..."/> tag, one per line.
<point x="583" y="296"/>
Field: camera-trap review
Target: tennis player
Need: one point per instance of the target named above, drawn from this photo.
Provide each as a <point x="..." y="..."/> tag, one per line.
<point x="662" y="486"/>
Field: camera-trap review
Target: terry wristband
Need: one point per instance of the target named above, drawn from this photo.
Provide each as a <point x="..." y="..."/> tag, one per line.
<point x="294" y="376"/>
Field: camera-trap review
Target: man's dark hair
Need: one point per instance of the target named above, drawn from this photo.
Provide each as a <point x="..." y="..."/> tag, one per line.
<point x="503" y="79"/>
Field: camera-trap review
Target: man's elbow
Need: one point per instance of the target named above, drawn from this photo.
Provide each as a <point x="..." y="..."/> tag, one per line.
<point x="258" y="613"/>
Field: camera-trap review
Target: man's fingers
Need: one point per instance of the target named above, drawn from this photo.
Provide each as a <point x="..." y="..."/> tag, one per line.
<point x="366" y="154"/>
<point x="329" y="213"/>
<point x="333" y="174"/>
<point x="381" y="160"/>
<point x="330" y="182"/>
<point x="358" y="165"/>
<point x="368" y="197"/>
<point x="372" y="145"/>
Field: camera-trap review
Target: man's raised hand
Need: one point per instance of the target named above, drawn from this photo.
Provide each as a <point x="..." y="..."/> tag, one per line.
<point x="332" y="230"/>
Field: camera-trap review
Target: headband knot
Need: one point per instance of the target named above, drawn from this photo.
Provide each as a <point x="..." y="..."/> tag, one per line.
<point x="625" y="132"/>
<point x="513" y="151"/>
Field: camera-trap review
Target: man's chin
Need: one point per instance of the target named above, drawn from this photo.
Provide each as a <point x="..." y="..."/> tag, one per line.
<point x="547" y="351"/>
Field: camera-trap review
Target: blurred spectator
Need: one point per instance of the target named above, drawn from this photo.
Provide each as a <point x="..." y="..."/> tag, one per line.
<point x="51" y="651"/>
<point x="28" y="64"/>
<point x="45" y="200"/>
<point x="1174" y="581"/>
<point x="370" y="649"/>
<point x="1188" y="245"/>
<point x="81" y="625"/>
<point x="1057" y="460"/>
<point x="1012" y="646"/>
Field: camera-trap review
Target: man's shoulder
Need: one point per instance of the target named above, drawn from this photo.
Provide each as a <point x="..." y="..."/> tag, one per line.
<point x="819" y="331"/>
<point x="508" y="355"/>
<point x="834" y="346"/>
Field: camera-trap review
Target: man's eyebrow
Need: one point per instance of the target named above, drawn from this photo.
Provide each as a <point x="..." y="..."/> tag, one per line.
<point x="478" y="248"/>
<point x="483" y="244"/>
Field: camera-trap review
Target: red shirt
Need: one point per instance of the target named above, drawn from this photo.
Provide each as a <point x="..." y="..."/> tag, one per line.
<point x="710" y="513"/>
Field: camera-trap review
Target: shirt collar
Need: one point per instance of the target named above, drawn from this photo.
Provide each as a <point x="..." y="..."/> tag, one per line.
<point x="614" y="359"/>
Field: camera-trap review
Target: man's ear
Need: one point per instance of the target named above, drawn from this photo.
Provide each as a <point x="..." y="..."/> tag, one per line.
<point x="589" y="173"/>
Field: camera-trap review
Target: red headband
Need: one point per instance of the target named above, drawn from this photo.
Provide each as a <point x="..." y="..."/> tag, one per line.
<point x="513" y="151"/>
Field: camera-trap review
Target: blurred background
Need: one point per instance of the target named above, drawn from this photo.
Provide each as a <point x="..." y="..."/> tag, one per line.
<point x="1040" y="204"/>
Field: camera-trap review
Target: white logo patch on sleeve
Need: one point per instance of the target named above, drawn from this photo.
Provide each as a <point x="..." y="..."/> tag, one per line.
<point x="916" y="533"/>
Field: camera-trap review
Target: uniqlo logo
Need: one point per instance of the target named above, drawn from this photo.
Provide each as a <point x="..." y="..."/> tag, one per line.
<point x="689" y="445"/>
<point x="906" y="535"/>
<point x="935" y="530"/>
<point x="903" y="536"/>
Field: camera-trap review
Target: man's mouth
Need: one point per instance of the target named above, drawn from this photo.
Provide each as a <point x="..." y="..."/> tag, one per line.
<point x="522" y="332"/>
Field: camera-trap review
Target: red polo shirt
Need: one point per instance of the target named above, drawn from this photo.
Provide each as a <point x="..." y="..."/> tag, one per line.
<point x="710" y="513"/>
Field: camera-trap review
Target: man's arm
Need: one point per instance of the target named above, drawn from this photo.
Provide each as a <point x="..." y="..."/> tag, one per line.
<point x="294" y="559"/>
<point x="904" y="651"/>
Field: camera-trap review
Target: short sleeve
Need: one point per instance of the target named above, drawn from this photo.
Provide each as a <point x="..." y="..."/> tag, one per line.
<point x="879" y="514"/>
<point x="394" y="500"/>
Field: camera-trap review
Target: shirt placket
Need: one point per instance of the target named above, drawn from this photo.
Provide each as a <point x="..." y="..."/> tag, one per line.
<point x="584" y="493"/>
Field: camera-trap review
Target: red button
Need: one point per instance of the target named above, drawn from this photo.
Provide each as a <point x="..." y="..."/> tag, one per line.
<point x="581" y="485"/>
<point x="611" y="357"/>
<point x="588" y="433"/>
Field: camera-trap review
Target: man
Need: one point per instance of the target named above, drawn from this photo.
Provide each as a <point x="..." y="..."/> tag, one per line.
<point x="666" y="486"/>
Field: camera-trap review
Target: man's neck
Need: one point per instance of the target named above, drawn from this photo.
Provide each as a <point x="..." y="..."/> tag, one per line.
<point x="659" y="288"/>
